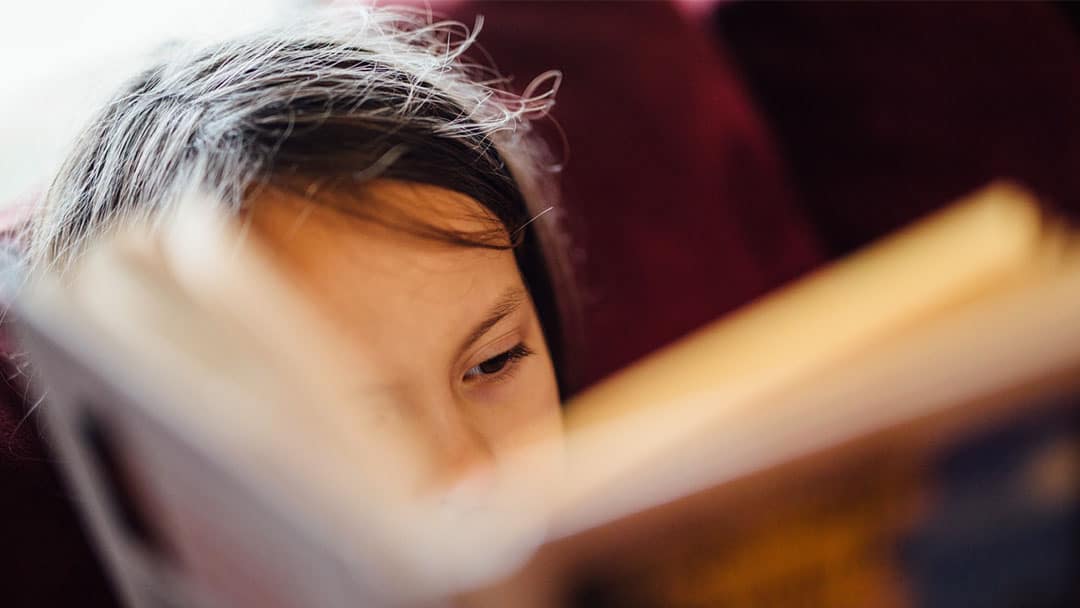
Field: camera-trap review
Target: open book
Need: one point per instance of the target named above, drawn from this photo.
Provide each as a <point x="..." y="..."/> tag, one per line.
<point x="901" y="428"/>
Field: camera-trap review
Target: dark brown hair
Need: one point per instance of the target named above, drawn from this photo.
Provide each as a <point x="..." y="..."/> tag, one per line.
<point x="337" y="100"/>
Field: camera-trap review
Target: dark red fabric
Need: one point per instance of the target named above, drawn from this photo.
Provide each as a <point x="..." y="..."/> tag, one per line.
<point x="679" y="200"/>
<point x="886" y="111"/>
<point x="45" y="556"/>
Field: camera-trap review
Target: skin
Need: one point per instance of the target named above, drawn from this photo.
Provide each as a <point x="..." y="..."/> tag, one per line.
<point x="448" y="331"/>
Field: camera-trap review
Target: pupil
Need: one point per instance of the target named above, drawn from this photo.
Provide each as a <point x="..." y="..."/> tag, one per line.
<point x="494" y="364"/>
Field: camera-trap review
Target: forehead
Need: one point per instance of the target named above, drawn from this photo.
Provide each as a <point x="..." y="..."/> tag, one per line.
<point x="382" y="260"/>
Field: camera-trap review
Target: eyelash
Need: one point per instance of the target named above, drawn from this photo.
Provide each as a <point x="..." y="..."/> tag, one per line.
<point x="505" y="361"/>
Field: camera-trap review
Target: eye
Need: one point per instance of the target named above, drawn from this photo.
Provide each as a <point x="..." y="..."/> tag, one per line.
<point x="499" y="364"/>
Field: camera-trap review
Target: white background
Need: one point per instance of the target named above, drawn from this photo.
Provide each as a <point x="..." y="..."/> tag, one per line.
<point x="60" y="60"/>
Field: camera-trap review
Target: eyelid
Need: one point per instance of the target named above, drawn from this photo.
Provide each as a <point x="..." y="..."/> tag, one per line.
<point x="519" y="329"/>
<point x="496" y="346"/>
<point x="509" y="306"/>
<point x="513" y="355"/>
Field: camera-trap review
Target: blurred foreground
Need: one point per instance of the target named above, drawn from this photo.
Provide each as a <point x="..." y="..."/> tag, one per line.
<point x="897" y="429"/>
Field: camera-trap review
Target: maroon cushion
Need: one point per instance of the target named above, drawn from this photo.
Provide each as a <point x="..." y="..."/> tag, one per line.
<point x="888" y="110"/>
<point x="680" y="203"/>
<point x="45" y="555"/>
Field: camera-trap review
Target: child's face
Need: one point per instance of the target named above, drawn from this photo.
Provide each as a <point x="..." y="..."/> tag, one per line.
<point x="451" y="332"/>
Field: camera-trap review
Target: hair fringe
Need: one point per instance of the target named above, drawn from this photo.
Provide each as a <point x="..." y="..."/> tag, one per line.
<point x="184" y="125"/>
<point x="212" y="87"/>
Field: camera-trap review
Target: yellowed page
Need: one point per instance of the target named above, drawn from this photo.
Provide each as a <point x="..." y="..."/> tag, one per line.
<point x="718" y="375"/>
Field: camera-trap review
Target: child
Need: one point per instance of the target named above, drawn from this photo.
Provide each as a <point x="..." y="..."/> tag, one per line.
<point x="401" y="187"/>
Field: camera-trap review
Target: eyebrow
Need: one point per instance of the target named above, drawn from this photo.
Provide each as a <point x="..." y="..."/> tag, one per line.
<point x="508" y="302"/>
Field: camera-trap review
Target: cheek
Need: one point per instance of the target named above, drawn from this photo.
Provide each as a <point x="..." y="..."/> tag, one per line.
<point x="521" y="421"/>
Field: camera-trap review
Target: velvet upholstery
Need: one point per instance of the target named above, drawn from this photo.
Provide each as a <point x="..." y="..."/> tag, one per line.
<point x="676" y="193"/>
<point x="886" y="111"/>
